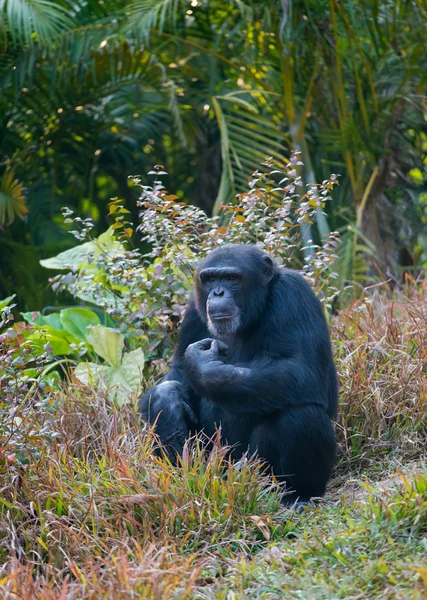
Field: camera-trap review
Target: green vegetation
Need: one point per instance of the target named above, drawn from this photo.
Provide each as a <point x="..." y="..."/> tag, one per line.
<point x="95" y="91"/>
<point x="243" y="106"/>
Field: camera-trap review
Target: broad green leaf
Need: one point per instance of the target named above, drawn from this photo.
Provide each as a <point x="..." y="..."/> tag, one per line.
<point x="77" y="257"/>
<point x="31" y="373"/>
<point x="107" y="343"/>
<point x="117" y="382"/>
<point x="92" y="374"/>
<point x="78" y="320"/>
<point x="109" y="297"/>
<point x="6" y="301"/>
<point x="73" y="257"/>
<point x="31" y="316"/>
<point x="54" y="320"/>
<point x="132" y="367"/>
<point x="108" y="243"/>
<point x="60" y="341"/>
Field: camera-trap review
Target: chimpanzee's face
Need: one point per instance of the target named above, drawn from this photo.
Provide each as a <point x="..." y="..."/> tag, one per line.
<point x="222" y="287"/>
<point x="232" y="287"/>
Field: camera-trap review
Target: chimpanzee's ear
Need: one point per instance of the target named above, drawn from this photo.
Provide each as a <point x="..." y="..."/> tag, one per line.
<point x="267" y="269"/>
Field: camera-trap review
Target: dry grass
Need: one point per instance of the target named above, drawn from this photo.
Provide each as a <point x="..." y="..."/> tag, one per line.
<point x="381" y="353"/>
<point x="99" y="516"/>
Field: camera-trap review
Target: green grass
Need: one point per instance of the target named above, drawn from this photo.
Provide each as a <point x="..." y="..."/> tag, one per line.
<point x="374" y="549"/>
<point x="100" y="516"/>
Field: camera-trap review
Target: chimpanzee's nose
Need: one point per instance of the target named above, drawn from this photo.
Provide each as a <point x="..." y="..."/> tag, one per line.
<point x="218" y="292"/>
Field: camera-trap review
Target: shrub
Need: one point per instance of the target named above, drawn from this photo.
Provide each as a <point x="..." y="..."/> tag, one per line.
<point x="21" y="391"/>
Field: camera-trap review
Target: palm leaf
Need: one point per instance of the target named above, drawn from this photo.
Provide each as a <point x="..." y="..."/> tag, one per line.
<point x="248" y="138"/>
<point x="33" y="21"/>
<point x="351" y="266"/>
<point x="12" y="199"/>
<point x="142" y="16"/>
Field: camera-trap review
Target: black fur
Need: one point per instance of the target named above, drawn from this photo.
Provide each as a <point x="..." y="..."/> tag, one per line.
<point x="268" y="379"/>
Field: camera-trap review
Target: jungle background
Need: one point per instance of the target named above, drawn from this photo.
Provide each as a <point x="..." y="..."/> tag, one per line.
<point x="135" y="136"/>
<point x="93" y="92"/>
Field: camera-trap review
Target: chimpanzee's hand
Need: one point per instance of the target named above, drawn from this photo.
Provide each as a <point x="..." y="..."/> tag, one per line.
<point x="205" y="365"/>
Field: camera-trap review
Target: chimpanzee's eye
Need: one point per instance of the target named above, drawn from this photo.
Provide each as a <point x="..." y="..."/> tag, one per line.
<point x="231" y="279"/>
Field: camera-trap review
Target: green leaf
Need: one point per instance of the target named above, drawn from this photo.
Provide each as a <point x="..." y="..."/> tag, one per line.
<point x="54" y="320"/>
<point x="132" y="367"/>
<point x="117" y="382"/>
<point x="6" y="301"/>
<point x="107" y="242"/>
<point x="77" y="257"/>
<point x="60" y="341"/>
<point x="29" y="316"/>
<point x="92" y="374"/>
<point x="31" y="373"/>
<point x="110" y="298"/>
<point x="32" y="21"/>
<point x="12" y="197"/>
<point x="78" y="320"/>
<point x="73" y="257"/>
<point x="145" y="15"/>
<point x="247" y="139"/>
<point x="107" y="343"/>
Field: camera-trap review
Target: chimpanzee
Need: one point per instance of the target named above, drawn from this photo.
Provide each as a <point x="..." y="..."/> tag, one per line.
<point x="253" y="358"/>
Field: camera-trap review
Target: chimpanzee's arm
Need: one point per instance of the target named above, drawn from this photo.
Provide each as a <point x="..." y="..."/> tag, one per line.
<point x="191" y="330"/>
<point x="172" y="404"/>
<point x="262" y="385"/>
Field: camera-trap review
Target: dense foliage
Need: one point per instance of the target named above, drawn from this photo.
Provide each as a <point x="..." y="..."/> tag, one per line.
<point x="93" y="91"/>
<point x="146" y="293"/>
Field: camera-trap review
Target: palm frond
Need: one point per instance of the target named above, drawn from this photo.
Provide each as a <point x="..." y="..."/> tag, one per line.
<point x="12" y="199"/>
<point x="351" y="266"/>
<point x="248" y="138"/>
<point x="144" y="15"/>
<point x="33" y="21"/>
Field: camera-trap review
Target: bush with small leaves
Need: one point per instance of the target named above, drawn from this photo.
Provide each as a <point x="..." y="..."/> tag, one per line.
<point x="23" y="393"/>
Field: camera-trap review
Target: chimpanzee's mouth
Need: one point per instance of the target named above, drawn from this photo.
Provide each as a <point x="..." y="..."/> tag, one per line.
<point x="223" y="325"/>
